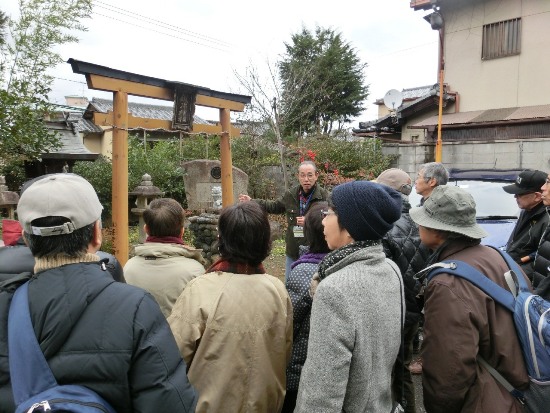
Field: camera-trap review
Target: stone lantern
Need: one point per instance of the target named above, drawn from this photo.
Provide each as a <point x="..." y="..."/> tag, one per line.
<point x="145" y="192"/>
<point x="8" y="199"/>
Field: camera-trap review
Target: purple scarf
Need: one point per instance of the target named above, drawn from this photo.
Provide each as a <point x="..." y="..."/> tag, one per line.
<point x="309" y="258"/>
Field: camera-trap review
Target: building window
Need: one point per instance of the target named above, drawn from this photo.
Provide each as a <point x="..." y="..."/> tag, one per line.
<point x="501" y="39"/>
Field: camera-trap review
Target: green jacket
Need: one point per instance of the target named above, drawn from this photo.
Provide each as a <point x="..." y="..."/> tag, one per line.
<point x="289" y="204"/>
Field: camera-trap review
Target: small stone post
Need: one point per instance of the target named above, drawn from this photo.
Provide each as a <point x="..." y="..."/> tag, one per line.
<point x="144" y="193"/>
<point x="8" y="199"/>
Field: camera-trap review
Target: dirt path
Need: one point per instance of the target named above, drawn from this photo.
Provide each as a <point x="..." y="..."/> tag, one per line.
<point x="275" y="265"/>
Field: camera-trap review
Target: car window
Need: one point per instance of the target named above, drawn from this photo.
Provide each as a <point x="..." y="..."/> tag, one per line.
<point x="491" y="200"/>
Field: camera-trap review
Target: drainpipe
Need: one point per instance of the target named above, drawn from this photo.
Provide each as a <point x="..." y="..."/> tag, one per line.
<point x="439" y="143"/>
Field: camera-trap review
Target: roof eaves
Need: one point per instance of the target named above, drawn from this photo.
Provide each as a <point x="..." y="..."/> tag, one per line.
<point x="489" y="117"/>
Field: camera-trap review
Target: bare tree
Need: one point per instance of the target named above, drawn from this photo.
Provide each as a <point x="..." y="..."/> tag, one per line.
<point x="267" y="101"/>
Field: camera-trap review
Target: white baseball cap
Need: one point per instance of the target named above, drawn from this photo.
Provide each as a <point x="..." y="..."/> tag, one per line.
<point x="58" y="195"/>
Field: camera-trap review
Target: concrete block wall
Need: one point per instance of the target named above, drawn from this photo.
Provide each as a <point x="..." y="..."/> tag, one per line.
<point x="506" y="154"/>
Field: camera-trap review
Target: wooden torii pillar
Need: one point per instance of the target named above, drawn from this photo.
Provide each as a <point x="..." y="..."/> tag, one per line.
<point x="122" y="84"/>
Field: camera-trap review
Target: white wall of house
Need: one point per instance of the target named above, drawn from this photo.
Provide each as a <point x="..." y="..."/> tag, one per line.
<point x="102" y="144"/>
<point x="520" y="80"/>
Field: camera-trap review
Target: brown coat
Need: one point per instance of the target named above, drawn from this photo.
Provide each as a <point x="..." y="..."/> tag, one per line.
<point x="461" y="321"/>
<point x="235" y="333"/>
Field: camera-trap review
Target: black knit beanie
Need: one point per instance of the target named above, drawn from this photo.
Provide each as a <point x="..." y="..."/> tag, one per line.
<point x="367" y="210"/>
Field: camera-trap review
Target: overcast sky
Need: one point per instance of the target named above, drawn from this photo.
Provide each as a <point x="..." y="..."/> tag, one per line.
<point x="203" y="41"/>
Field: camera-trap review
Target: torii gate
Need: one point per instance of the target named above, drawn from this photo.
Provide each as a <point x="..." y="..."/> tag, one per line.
<point x="185" y="96"/>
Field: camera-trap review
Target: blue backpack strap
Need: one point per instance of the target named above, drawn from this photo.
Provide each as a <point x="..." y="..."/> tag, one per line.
<point x="514" y="267"/>
<point x="30" y="373"/>
<point x="489" y="287"/>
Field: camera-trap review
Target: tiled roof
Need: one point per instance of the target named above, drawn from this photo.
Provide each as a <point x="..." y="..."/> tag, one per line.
<point x="402" y="111"/>
<point x="411" y="93"/>
<point x="416" y="92"/>
<point x="142" y="110"/>
<point x="489" y="115"/>
<point x="83" y="125"/>
<point x="71" y="142"/>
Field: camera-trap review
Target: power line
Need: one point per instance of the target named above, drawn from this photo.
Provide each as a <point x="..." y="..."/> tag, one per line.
<point x="131" y="14"/>
<point x="70" y="80"/>
<point x="164" y="25"/>
<point x="160" y="32"/>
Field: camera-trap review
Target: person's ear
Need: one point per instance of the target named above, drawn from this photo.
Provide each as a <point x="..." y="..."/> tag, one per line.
<point x="146" y="229"/>
<point x="23" y="234"/>
<point x="182" y="232"/>
<point x="97" y="238"/>
<point x="432" y="182"/>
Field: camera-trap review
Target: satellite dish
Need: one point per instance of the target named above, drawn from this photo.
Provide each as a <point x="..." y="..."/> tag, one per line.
<point x="393" y="99"/>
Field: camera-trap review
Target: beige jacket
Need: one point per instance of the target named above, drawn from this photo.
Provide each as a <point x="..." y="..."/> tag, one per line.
<point x="163" y="270"/>
<point x="235" y="333"/>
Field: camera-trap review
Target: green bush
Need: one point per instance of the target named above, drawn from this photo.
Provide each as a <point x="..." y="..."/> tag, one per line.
<point x="250" y="154"/>
<point x="99" y="173"/>
<point x="14" y="172"/>
<point x="161" y="161"/>
<point x="201" y="147"/>
<point x="350" y="159"/>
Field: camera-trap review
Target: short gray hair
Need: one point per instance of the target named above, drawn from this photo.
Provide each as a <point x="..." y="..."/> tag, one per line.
<point x="436" y="171"/>
<point x="308" y="163"/>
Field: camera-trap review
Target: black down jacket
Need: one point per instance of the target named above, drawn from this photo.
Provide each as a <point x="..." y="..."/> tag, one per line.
<point x="542" y="259"/>
<point x="526" y="237"/>
<point x="402" y="246"/>
<point x="105" y="335"/>
<point x="18" y="258"/>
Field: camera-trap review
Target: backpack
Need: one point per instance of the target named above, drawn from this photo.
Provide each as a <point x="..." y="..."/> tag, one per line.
<point x="531" y="315"/>
<point x="34" y="386"/>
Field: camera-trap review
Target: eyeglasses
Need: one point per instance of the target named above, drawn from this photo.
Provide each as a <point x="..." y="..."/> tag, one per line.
<point x="525" y="194"/>
<point x="326" y="212"/>
<point x="304" y="176"/>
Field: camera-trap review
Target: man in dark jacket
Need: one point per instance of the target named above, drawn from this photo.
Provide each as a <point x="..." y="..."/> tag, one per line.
<point x="95" y="332"/>
<point x="402" y="245"/>
<point x="533" y="220"/>
<point x="295" y="203"/>
<point x="542" y="259"/>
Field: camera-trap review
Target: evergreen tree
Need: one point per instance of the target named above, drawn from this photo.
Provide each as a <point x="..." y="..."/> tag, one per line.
<point x="3" y="26"/>
<point x="323" y="82"/>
